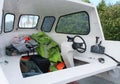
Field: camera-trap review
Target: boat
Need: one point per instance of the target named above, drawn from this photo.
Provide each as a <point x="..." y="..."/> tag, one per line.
<point x="71" y="32"/>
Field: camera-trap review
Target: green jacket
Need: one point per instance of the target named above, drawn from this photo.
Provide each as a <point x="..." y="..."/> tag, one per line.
<point x="47" y="48"/>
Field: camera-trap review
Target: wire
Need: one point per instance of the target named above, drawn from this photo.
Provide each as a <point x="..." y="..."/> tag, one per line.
<point x="113" y="59"/>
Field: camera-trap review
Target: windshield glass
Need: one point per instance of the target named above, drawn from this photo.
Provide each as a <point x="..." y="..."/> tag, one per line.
<point x="48" y="23"/>
<point x="1" y="6"/>
<point x="9" y="22"/>
<point x="0" y="22"/>
<point x="76" y="23"/>
<point x="28" y="21"/>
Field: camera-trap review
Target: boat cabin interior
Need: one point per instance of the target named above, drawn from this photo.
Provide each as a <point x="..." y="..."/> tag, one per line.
<point x="54" y="42"/>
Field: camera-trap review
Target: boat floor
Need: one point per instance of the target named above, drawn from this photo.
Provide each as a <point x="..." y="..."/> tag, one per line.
<point x="94" y="80"/>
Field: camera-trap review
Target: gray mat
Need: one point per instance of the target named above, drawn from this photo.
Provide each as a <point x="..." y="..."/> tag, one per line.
<point x="94" y="80"/>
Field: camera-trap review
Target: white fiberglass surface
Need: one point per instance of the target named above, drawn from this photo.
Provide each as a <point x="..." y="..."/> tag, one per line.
<point x="63" y="76"/>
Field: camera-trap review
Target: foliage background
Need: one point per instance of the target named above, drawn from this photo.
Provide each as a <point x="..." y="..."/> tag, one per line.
<point x="110" y="19"/>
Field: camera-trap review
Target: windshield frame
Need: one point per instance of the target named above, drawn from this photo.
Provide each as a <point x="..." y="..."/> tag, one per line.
<point x="1" y="28"/>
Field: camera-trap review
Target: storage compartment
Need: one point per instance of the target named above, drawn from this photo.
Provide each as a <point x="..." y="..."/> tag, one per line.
<point x="79" y="62"/>
<point x="43" y="63"/>
<point x="29" y="68"/>
<point x="34" y="65"/>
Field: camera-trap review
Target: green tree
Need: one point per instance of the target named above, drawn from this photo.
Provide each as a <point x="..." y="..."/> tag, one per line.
<point x="102" y="6"/>
<point x="110" y="20"/>
<point x="86" y="1"/>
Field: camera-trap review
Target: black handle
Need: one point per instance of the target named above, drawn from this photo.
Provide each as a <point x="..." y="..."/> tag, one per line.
<point x="70" y="39"/>
<point x="100" y="43"/>
<point x="97" y="39"/>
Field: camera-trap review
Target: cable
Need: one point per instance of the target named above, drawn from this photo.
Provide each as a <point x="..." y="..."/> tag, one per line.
<point x="118" y="63"/>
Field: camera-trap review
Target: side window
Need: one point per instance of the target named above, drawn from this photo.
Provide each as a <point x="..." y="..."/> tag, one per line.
<point x="48" y="23"/>
<point x="76" y="23"/>
<point x="28" y="21"/>
<point x="0" y="22"/>
<point x="9" y="22"/>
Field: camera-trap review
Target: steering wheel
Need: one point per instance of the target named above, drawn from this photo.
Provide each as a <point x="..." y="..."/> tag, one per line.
<point x="79" y="44"/>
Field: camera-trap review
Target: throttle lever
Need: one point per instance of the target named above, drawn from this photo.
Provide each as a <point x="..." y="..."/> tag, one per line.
<point x="97" y="39"/>
<point x="100" y="43"/>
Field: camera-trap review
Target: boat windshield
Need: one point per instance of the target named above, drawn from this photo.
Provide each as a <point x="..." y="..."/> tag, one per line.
<point x="1" y="6"/>
<point x="28" y="21"/>
<point x="75" y="23"/>
<point x="0" y="22"/>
